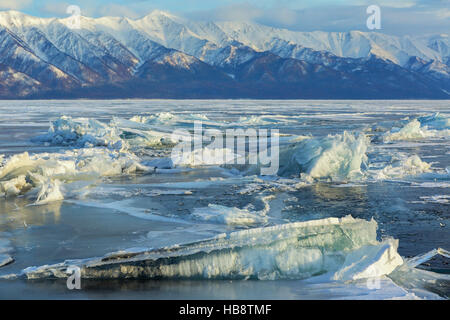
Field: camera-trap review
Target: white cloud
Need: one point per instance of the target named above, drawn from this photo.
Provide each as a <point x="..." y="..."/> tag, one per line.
<point x="285" y="16"/>
<point x="56" y="8"/>
<point x="14" y="4"/>
<point x="444" y="14"/>
<point x="385" y="3"/>
<point x="59" y="8"/>
<point x="398" y="17"/>
<point x="238" y="12"/>
<point x="117" y="10"/>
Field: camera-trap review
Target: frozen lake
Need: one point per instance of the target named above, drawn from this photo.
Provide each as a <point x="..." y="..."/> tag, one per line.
<point x="82" y="179"/>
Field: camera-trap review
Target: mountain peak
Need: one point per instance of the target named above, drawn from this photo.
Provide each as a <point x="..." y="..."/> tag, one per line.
<point x="12" y="14"/>
<point x="17" y="18"/>
<point x="159" y="13"/>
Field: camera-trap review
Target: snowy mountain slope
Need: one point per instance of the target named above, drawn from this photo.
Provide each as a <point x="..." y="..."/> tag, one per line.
<point x="434" y="69"/>
<point x="132" y="44"/>
<point x="189" y="36"/>
<point x="439" y="43"/>
<point x="178" y="33"/>
<point x="353" y="44"/>
<point x="53" y="42"/>
<point x="91" y="54"/>
<point x="19" y="56"/>
<point x="209" y="41"/>
<point x="47" y="51"/>
<point x="165" y="54"/>
<point x="76" y="46"/>
<point x="13" y="81"/>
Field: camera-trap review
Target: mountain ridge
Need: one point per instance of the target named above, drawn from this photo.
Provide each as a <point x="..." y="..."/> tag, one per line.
<point x="173" y="56"/>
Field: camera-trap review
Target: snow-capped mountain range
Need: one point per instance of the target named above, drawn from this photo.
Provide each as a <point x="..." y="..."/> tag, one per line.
<point x="165" y="56"/>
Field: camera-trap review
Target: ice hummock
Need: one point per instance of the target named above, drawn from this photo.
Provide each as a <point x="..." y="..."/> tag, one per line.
<point x="344" y="157"/>
<point x="168" y="118"/>
<point x="436" y="121"/>
<point x="408" y="166"/>
<point x="291" y="251"/>
<point x="435" y="126"/>
<point x="118" y="134"/>
<point x="82" y="132"/>
<point x="49" y="192"/>
<point x="339" y="157"/>
<point x="23" y="172"/>
<point x="100" y="150"/>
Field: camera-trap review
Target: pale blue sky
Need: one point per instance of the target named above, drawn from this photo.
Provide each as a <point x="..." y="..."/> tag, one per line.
<point x="398" y="16"/>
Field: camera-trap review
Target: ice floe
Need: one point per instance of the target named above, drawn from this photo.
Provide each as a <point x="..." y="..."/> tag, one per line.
<point x="441" y="199"/>
<point x="233" y="216"/>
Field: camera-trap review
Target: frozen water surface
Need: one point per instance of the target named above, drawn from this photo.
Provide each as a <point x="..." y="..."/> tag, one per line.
<point x="91" y="184"/>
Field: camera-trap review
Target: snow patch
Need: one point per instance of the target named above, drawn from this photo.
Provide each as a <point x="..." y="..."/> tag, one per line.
<point x="233" y="216"/>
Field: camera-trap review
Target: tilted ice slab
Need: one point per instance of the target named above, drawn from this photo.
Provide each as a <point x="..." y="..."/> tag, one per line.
<point x="5" y="248"/>
<point x="419" y="281"/>
<point x="5" y="259"/>
<point x="345" y="247"/>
